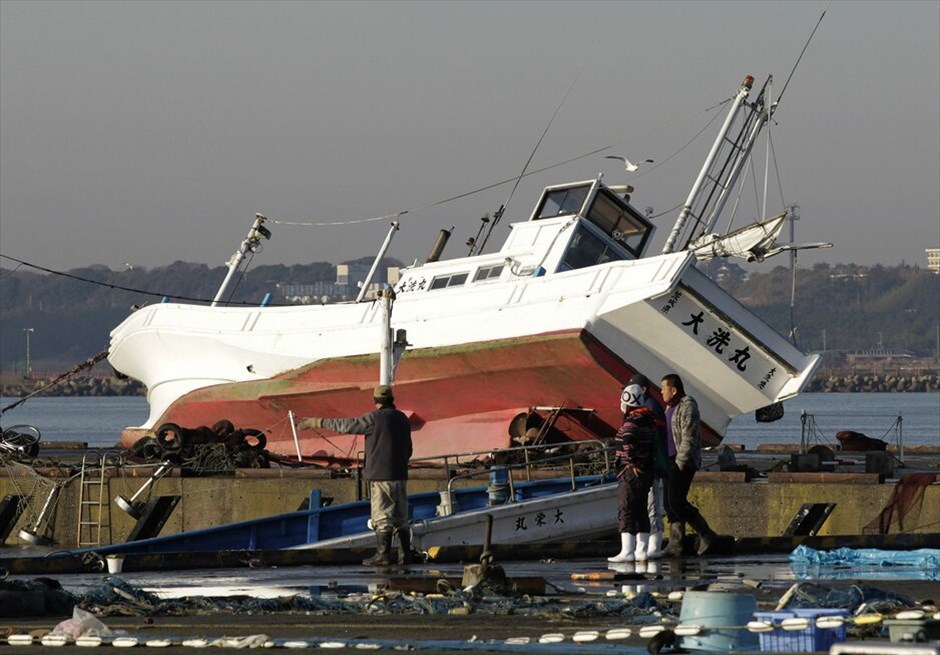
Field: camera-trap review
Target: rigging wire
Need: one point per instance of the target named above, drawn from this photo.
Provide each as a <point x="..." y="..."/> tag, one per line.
<point x="536" y="171"/>
<point x="115" y="286"/>
<point x="773" y="106"/>
<point x="10" y="273"/>
<point x="498" y="214"/>
<point x="355" y="221"/>
<point x="793" y="253"/>
<point x="241" y="277"/>
<point x="88" y="363"/>
<point x="443" y="201"/>
<point x="668" y="211"/>
<point x="803" y="51"/>
<point x="773" y="155"/>
<point x="686" y="144"/>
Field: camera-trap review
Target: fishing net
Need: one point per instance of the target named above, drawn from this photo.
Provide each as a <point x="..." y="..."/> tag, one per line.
<point x="905" y="505"/>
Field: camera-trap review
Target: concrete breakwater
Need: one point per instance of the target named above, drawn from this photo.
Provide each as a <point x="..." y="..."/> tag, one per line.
<point x="77" y="386"/>
<point x="831" y="382"/>
<point x="849" y="382"/>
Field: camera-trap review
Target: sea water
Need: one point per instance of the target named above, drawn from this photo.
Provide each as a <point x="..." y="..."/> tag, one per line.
<point x="98" y="421"/>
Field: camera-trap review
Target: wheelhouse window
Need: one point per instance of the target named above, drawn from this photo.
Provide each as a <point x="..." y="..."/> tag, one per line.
<point x="452" y="280"/>
<point x="588" y="249"/>
<point x="615" y="218"/>
<point x="488" y="273"/>
<point x="560" y="202"/>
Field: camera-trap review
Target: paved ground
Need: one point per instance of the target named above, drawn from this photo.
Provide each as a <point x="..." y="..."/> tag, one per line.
<point x="767" y="577"/>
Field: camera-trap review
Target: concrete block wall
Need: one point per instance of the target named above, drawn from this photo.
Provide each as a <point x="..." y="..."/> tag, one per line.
<point x="741" y="509"/>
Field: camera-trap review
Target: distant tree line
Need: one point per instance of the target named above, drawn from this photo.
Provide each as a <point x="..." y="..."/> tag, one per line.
<point x="845" y="308"/>
<point x="841" y="308"/>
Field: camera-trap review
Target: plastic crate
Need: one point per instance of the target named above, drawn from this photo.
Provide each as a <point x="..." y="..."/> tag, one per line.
<point x="919" y="630"/>
<point x="810" y="640"/>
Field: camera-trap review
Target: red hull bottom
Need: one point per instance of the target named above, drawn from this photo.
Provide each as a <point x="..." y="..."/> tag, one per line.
<point x="469" y="398"/>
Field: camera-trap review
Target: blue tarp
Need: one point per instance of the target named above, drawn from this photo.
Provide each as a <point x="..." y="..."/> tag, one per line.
<point x="923" y="558"/>
<point x="868" y="563"/>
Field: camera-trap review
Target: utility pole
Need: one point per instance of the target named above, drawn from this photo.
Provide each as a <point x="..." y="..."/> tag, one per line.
<point x="29" y="367"/>
<point x="793" y="214"/>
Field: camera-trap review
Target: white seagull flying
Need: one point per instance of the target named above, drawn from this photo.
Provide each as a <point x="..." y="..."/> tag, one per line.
<point x="629" y="165"/>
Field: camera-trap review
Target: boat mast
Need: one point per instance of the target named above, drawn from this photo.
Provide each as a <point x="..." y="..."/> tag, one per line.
<point x="696" y="187"/>
<point x="761" y="116"/>
<point x="378" y="258"/>
<point x="251" y="244"/>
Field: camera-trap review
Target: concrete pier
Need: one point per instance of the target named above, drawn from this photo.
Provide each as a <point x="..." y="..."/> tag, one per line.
<point x="761" y="507"/>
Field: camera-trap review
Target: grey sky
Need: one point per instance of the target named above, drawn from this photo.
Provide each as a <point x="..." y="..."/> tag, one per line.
<point x="149" y="132"/>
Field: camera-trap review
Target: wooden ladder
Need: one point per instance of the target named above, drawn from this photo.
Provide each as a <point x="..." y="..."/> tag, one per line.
<point x="93" y="508"/>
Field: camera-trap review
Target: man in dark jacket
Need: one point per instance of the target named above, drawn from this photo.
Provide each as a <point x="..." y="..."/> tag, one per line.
<point x="388" y="448"/>
<point x="684" y="441"/>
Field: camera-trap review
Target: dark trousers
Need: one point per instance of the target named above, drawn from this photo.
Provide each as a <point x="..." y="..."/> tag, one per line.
<point x="632" y="493"/>
<point x="675" y="492"/>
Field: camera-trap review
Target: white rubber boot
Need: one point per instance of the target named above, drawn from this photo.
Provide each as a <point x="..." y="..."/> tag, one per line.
<point x="628" y="545"/>
<point x="642" y="544"/>
<point x="655" y="548"/>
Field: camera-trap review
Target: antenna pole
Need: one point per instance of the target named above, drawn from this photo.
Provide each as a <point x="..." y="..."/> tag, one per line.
<point x="499" y="213"/>
<point x="794" y="215"/>
<point x="687" y="207"/>
<point x="250" y="244"/>
<point x="378" y="258"/>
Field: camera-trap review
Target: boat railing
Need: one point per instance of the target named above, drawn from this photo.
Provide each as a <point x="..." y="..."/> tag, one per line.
<point x="586" y="448"/>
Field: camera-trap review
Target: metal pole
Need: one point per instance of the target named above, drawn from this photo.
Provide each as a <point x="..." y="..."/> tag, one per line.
<point x="293" y="429"/>
<point x="250" y="244"/>
<point x="687" y="208"/>
<point x="901" y="438"/>
<point x="358" y="483"/>
<point x="29" y="366"/>
<point x="802" y="431"/>
<point x="378" y="258"/>
<point x="740" y="161"/>
<point x="385" y="352"/>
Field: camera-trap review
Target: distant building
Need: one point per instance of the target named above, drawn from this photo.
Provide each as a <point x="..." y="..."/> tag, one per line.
<point x="349" y="280"/>
<point x="351" y="274"/>
<point x="317" y="292"/>
<point x="933" y="260"/>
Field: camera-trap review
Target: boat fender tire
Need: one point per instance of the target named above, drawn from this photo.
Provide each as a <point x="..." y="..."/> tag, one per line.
<point x="93" y="561"/>
<point x="223" y="428"/>
<point x="170" y="437"/>
<point x="152" y="452"/>
<point x="254" y="439"/>
<point x="201" y="435"/>
<point x="224" y="432"/>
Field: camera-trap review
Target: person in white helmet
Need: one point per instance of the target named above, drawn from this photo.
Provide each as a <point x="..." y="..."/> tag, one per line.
<point x="634" y="460"/>
<point x="661" y="465"/>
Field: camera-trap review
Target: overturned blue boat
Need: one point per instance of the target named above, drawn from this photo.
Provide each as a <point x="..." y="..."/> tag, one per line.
<point x="551" y="510"/>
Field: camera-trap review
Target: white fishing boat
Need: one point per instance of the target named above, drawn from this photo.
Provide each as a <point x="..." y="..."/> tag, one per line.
<point x="553" y="323"/>
<point x="579" y="515"/>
